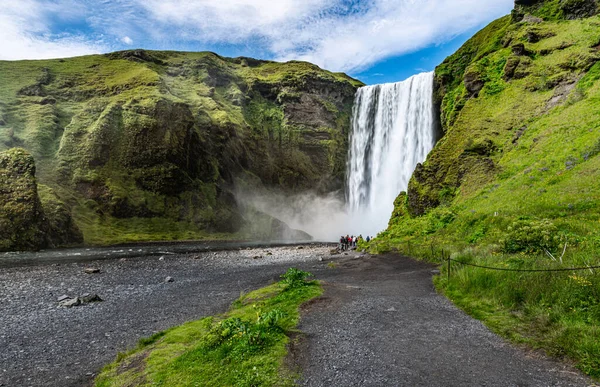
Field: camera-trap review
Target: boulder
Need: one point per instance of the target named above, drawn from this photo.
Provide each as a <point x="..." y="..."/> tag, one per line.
<point x="70" y="302"/>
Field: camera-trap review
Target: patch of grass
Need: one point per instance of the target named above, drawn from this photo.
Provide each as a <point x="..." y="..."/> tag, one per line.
<point x="243" y="347"/>
<point x="557" y="312"/>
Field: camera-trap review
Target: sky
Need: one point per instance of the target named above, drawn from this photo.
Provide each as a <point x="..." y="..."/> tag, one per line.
<point x="376" y="41"/>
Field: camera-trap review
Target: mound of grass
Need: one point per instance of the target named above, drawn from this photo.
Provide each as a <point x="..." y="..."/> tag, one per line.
<point x="243" y="347"/>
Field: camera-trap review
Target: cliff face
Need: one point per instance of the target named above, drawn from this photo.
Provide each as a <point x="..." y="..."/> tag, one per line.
<point x="24" y="223"/>
<point x="519" y="111"/>
<point x="149" y="145"/>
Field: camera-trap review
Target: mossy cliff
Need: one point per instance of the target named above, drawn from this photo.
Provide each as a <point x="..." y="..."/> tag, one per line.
<point x="519" y="111"/>
<point x="24" y="222"/>
<point x="146" y="145"/>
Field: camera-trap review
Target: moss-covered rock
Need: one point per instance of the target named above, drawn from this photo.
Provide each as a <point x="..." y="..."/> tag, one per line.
<point x="555" y="9"/>
<point x="26" y="224"/>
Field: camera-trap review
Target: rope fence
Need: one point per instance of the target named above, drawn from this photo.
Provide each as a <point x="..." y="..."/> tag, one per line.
<point x="448" y="260"/>
<point x="524" y="270"/>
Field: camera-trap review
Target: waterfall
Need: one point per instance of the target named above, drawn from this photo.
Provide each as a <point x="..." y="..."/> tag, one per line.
<point x="393" y="129"/>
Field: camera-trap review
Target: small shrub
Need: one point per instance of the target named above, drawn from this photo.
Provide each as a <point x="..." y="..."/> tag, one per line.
<point x="531" y="236"/>
<point x="477" y="234"/>
<point x="294" y="278"/>
<point x="270" y="319"/>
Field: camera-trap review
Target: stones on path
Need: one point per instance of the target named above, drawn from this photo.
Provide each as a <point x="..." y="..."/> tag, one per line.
<point x="91" y="270"/>
<point x="435" y="272"/>
<point x="257" y="257"/>
<point x="65" y="301"/>
<point x="169" y="279"/>
<point x="68" y="303"/>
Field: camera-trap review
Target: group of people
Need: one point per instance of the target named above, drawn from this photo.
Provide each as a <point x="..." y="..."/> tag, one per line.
<point x="349" y="241"/>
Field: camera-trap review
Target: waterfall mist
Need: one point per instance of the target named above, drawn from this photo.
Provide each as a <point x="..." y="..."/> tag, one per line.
<point x="393" y="129"/>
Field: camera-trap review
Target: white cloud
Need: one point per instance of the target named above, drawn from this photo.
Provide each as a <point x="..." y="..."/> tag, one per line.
<point x="329" y="33"/>
<point x="339" y="35"/>
<point x="24" y="32"/>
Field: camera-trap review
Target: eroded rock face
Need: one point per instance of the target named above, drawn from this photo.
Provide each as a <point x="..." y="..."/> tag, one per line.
<point x="579" y="9"/>
<point x="24" y="224"/>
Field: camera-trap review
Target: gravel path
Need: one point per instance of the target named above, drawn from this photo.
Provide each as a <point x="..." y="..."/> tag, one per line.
<point x="380" y="321"/>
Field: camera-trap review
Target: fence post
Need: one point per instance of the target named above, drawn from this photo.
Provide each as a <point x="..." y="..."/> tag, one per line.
<point x="448" y="258"/>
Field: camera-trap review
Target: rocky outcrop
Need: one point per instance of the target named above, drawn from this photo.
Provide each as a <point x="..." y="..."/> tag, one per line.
<point x="24" y="224"/>
<point x="552" y="9"/>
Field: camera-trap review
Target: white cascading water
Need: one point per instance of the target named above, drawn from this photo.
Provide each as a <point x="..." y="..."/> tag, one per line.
<point x="393" y="129"/>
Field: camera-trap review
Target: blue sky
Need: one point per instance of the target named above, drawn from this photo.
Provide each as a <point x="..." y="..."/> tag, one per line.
<point x="374" y="40"/>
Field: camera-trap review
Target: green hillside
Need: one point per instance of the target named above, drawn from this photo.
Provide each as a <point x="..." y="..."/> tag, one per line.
<point x="143" y="145"/>
<point x="515" y="181"/>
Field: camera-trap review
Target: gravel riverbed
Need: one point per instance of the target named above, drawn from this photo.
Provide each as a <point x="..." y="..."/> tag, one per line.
<point x="380" y="321"/>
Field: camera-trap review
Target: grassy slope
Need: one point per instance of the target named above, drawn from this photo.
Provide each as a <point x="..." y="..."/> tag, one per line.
<point x="243" y="347"/>
<point x="515" y="174"/>
<point x="87" y="121"/>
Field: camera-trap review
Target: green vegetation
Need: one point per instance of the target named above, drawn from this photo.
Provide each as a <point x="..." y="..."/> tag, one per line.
<point x="558" y="312"/>
<point x="243" y="347"/>
<point x="146" y="145"/>
<point x="514" y="182"/>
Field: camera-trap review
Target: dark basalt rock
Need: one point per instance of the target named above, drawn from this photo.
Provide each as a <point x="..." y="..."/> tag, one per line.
<point x="579" y="9"/>
<point x="473" y="83"/>
<point x="566" y="9"/>
<point x="527" y="2"/>
<point x="520" y="50"/>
